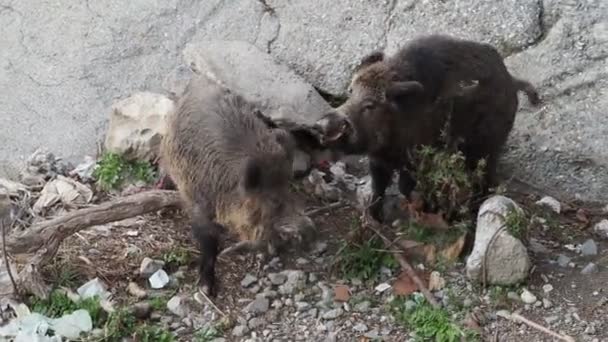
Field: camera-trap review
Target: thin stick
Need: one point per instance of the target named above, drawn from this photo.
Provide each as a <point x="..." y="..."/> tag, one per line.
<point x="325" y="208"/>
<point x="517" y="317"/>
<point x="409" y="270"/>
<point x="212" y="304"/>
<point x="6" y="262"/>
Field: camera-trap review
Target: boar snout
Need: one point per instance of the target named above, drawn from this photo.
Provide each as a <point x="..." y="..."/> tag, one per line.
<point x="332" y="126"/>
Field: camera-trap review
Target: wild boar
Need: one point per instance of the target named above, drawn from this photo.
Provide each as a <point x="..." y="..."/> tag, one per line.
<point x="399" y="102"/>
<point x="233" y="174"/>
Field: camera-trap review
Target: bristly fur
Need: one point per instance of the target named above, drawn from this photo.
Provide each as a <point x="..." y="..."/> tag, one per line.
<point x="231" y="170"/>
<point x="402" y="101"/>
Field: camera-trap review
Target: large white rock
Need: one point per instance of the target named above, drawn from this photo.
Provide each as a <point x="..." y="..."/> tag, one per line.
<point x="254" y="74"/>
<point x="507" y="259"/>
<point x="137" y="125"/>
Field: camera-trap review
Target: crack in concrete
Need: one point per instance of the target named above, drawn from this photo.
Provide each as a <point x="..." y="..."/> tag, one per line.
<point x="273" y="14"/>
<point x="31" y="78"/>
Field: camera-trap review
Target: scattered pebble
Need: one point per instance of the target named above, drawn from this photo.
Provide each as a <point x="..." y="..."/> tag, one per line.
<point x="240" y="331"/>
<point x="601" y="228"/>
<point x="362" y="306"/>
<point x="588" y="248"/>
<point x="135" y="290"/>
<point x="527" y="297"/>
<point x="159" y="279"/>
<point x="551" y="203"/>
<point x="149" y="266"/>
<point x="563" y="260"/>
<point x="333" y="314"/>
<point x="277" y="278"/>
<point x="92" y="288"/>
<point x="590" y="269"/>
<point x="176" y="306"/>
<point x="436" y="282"/>
<point x="382" y="287"/>
<point x="547" y="288"/>
<point x="258" y="305"/>
<point x="248" y="280"/>
<point x="513" y="296"/>
<point x="547" y="304"/>
<point x="360" y="327"/>
<point x="551" y="319"/>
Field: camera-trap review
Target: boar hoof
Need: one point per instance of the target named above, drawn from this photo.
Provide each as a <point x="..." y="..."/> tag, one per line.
<point x="376" y="213"/>
<point x="206" y="290"/>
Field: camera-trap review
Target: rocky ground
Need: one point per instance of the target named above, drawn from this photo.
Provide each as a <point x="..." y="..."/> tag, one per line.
<point x="344" y="289"/>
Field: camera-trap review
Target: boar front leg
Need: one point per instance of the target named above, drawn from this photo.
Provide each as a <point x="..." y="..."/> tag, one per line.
<point x="381" y="179"/>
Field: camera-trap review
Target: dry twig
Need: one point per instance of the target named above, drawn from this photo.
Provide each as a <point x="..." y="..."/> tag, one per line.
<point x="518" y="317"/>
<point x="330" y="206"/>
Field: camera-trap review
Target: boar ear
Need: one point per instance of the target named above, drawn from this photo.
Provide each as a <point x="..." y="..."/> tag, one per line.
<point x="398" y="89"/>
<point x="252" y="177"/>
<point x="374" y="57"/>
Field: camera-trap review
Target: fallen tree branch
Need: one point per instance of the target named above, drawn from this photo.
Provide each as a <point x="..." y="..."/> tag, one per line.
<point x="53" y="231"/>
<point x="409" y="270"/>
<point x="518" y="318"/>
<point x="43" y="239"/>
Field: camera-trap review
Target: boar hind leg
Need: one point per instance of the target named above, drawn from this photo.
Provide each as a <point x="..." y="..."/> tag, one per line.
<point x="381" y="179"/>
<point x="407" y="183"/>
<point x="207" y="234"/>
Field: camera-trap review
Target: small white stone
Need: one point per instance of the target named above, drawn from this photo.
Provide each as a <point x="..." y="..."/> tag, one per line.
<point x="601" y="228"/>
<point x="92" y="288"/>
<point x="550" y="202"/>
<point x="527" y="297"/>
<point x="159" y="279"/>
<point x="547" y="288"/>
<point x="382" y="287"/>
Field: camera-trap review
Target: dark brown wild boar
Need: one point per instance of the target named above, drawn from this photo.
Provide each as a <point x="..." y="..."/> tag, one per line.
<point x="399" y="102"/>
<point x="232" y="171"/>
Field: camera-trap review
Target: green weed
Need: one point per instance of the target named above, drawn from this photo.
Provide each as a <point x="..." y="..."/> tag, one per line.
<point x="517" y="224"/>
<point x="417" y="232"/>
<point x="444" y="181"/>
<point x="428" y="323"/>
<point x="149" y="333"/>
<point x="59" y="304"/>
<point x="177" y="257"/>
<point x="207" y="334"/>
<point x="365" y="260"/>
<point x="113" y="170"/>
<point x="121" y="323"/>
<point x="159" y="303"/>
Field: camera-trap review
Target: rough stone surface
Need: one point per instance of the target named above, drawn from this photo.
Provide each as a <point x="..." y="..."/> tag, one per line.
<point x="244" y="68"/>
<point x="563" y="146"/>
<point x="507" y="259"/>
<point x="137" y="125"/>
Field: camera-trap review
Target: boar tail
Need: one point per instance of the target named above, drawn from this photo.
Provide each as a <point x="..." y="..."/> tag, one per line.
<point x="528" y="89"/>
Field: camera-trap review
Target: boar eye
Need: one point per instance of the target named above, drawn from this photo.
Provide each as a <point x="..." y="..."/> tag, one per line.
<point x="368" y="106"/>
